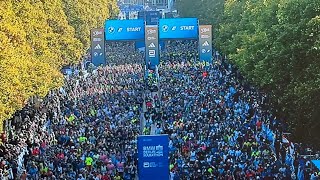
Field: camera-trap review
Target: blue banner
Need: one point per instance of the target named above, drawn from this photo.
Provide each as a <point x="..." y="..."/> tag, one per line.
<point x="98" y="47"/>
<point x="139" y="44"/>
<point x="153" y="157"/>
<point x="178" y="28"/>
<point x="152" y="45"/>
<point x="124" y="29"/>
<point x="205" y="43"/>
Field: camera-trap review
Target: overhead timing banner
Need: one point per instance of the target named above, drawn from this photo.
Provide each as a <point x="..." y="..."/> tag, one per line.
<point x="152" y="45"/>
<point x="178" y="28"/>
<point x="98" y="47"/>
<point x="153" y="153"/>
<point x="124" y="30"/>
<point x="205" y="43"/>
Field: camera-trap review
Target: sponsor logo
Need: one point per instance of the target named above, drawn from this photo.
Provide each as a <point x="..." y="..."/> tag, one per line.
<point x="206" y="43"/>
<point x="97" y="46"/>
<point x="152" y="53"/>
<point x="204" y="30"/>
<point x="152" y="45"/>
<point x="205" y="36"/>
<point x="165" y="28"/>
<point x="111" y="30"/>
<point x="96" y="39"/>
<point x="151" y="38"/>
<point x="151" y="31"/>
<point x="97" y="33"/>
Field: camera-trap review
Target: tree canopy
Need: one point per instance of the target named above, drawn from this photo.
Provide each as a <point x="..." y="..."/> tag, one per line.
<point x="276" y="45"/>
<point x="37" y="38"/>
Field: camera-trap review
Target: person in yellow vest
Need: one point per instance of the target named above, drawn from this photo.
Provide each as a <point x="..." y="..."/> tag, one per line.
<point x="82" y="139"/>
<point x="117" y="177"/>
<point x="71" y="118"/>
<point x="146" y="131"/>
<point x="89" y="162"/>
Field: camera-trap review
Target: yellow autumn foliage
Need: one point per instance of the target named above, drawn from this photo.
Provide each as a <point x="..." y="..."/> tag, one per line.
<point x="38" y="37"/>
<point x="78" y="12"/>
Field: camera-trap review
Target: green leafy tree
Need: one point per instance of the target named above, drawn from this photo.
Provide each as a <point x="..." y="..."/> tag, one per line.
<point x="275" y="44"/>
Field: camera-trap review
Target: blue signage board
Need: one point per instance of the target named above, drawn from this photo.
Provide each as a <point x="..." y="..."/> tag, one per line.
<point x="141" y="15"/>
<point x="205" y="43"/>
<point x="98" y="47"/>
<point x="152" y="45"/>
<point x="153" y="157"/>
<point x="152" y="17"/>
<point x="130" y="8"/>
<point x="124" y="29"/>
<point x="178" y="28"/>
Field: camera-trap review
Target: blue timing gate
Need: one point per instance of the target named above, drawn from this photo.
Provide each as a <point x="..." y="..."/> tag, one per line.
<point x="148" y="32"/>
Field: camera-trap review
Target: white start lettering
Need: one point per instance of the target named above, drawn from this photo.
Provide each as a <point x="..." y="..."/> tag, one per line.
<point x="186" y="28"/>
<point x="133" y="29"/>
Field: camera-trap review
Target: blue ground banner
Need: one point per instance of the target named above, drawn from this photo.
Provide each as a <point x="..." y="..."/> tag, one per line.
<point x="153" y="162"/>
<point x="98" y="47"/>
<point x="205" y="43"/>
<point x="178" y="28"/>
<point x="124" y="29"/>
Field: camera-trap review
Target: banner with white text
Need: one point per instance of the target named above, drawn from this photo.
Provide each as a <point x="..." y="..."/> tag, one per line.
<point x="178" y="28"/>
<point x="98" y="47"/>
<point x="205" y="43"/>
<point x="153" y="157"/>
<point x="152" y="46"/>
<point x="125" y="30"/>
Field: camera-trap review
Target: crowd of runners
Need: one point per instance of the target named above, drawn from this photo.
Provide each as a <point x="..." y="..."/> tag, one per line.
<point x="219" y="126"/>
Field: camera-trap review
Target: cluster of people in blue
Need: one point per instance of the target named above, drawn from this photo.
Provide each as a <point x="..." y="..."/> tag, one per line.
<point x="219" y="126"/>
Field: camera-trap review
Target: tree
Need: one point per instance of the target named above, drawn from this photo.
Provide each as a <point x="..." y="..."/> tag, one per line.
<point x="83" y="15"/>
<point x="36" y="40"/>
<point x="275" y="44"/>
